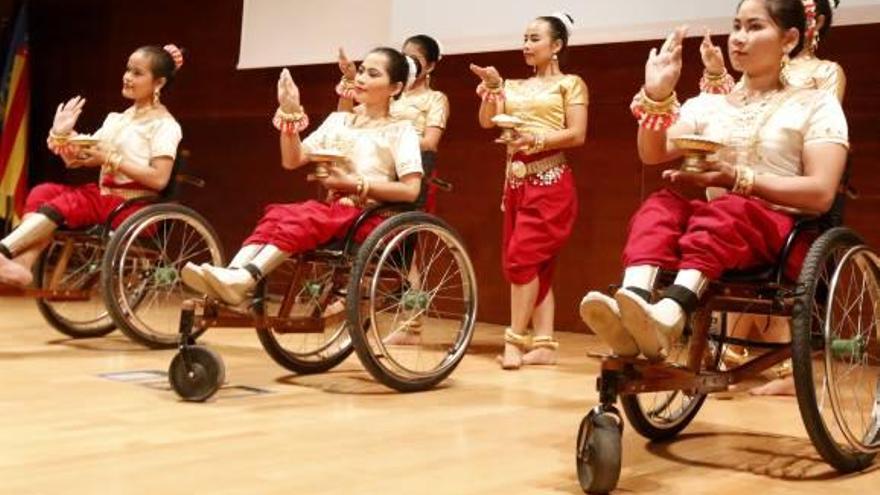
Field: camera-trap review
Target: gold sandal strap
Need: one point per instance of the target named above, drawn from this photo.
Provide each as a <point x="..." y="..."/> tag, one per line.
<point x="414" y="325"/>
<point x="545" y="342"/>
<point x="523" y="341"/>
<point x="783" y="370"/>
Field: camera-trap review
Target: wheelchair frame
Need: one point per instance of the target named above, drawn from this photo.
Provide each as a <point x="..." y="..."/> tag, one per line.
<point x="766" y="292"/>
<point x="98" y="238"/>
<point x="196" y="372"/>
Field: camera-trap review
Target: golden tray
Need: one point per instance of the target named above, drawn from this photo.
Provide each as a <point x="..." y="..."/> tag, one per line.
<point x="322" y="157"/>
<point x="83" y="141"/>
<point x="326" y="156"/>
<point x="696" y="148"/>
<point x="507" y="123"/>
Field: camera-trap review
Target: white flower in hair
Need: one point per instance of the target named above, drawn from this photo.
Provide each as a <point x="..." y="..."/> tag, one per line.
<point x="566" y="20"/>
<point x="411" y="76"/>
<point x="440" y="50"/>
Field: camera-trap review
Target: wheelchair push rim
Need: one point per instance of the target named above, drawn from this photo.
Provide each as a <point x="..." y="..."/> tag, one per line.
<point x="412" y="276"/>
<point x="808" y="345"/>
<point x="852" y="350"/>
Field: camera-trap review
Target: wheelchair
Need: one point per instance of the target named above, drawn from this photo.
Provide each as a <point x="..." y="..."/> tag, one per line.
<point x="88" y="282"/>
<point x="411" y="271"/>
<point x="834" y="311"/>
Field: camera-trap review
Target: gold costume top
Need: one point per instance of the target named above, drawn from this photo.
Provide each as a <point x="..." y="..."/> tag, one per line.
<point x="541" y="103"/>
<point x="809" y="72"/>
<point x="424" y="108"/>
<point x="813" y="73"/>
<point x="769" y="134"/>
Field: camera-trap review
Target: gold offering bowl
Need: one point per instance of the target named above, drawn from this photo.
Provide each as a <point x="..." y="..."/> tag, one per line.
<point x="322" y="159"/>
<point x="507" y="123"/>
<point x="83" y="142"/>
<point x="696" y="148"/>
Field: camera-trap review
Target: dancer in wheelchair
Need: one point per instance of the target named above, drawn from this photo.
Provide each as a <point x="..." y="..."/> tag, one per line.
<point x="804" y="70"/>
<point x="384" y="165"/>
<point x="785" y="152"/>
<point x="134" y="150"/>
<point x="539" y="202"/>
<point x="428" y="110"/>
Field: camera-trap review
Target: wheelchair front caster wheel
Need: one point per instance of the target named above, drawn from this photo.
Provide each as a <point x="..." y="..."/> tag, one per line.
<point x="599" y="452"/>
<point x="199" y="375"/>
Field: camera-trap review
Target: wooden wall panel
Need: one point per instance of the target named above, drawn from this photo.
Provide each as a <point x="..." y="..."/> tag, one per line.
<point x="225" y="116"/>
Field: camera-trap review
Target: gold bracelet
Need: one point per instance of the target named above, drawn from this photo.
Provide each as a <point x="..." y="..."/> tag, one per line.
<point x="366" y="189"/>
<point x="294" y="116"/>
<point x="540" y="142"/>
<point x="494" y="87"/>
<point x="744" y="180"/>
<point x="112" y="161"/>
<point x="653" y="106"/>
<point x="715" y="77"/>
<point x="359" y="186"/>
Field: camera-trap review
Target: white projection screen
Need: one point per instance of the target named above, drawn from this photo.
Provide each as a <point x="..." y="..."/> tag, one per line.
<point x="300" y="32"/>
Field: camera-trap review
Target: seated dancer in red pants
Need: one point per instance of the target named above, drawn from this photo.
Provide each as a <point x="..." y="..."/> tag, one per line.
<point x="136" y="153"/>
<point x="785" y="153"/>
<point x="428" y="110"/>
<point x="384" y="165"/>
<point x="540" y="202"/>
<point x="805" y="70"/>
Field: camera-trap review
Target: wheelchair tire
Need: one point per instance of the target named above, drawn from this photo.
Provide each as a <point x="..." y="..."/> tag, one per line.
<point x="76" y="319"/>
<point x="141" y="267"/>
<point x="297" y="362"/>
<point x="648" y="419"/>
<point x="200" y="380"/>
<point x="380" y="282"/>
<point x="808" y="341"/>
<point x="599" y="453"/>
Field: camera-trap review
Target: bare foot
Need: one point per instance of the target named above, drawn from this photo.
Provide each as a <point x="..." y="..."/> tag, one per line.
<point x="11" y="273"/>
<point x="403" y="336"/>
<point x="334" y="313"/>
<point x="779" y="386"/>
<point x="512" y="358"/>
<point x="540" y="356"/>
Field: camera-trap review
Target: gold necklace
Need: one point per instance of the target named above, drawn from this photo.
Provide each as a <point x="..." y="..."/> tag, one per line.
<point x="752" y="119"/>
<point x="363" y="121"/>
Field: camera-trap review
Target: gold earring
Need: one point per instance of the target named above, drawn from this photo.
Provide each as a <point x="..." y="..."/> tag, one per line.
<point x="783" y="70"/>
<point x="814" y="43"/>
<point x="156" y="93"/>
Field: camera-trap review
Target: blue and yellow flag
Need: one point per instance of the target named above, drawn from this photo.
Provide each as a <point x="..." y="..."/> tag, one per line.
<point x="15" y="98"/>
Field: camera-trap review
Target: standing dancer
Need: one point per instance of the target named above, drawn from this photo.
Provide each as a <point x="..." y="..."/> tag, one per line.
<point x="540" y="202"/>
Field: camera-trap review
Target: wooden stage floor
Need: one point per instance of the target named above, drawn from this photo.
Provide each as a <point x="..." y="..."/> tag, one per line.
<point x="66" y="428"/>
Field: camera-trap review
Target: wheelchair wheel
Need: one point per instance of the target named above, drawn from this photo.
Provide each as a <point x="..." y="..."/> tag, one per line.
<point x="73" y="264"/>
<point x="599" y="452"/>
<point x="304" y="289"/>
<point x="412" y="268"/>
<point x="140" y="271"/>
<point x="199" y="380"/>
<point x="662" y="415"/>
<point x="835" y="349"/>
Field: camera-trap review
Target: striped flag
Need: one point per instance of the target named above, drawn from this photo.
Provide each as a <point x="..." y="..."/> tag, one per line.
<point x="15" y="99"/>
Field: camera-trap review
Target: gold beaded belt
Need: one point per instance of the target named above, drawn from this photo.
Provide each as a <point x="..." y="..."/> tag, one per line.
<point x="126" y="193"/>
<point x="518" y="170"/>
